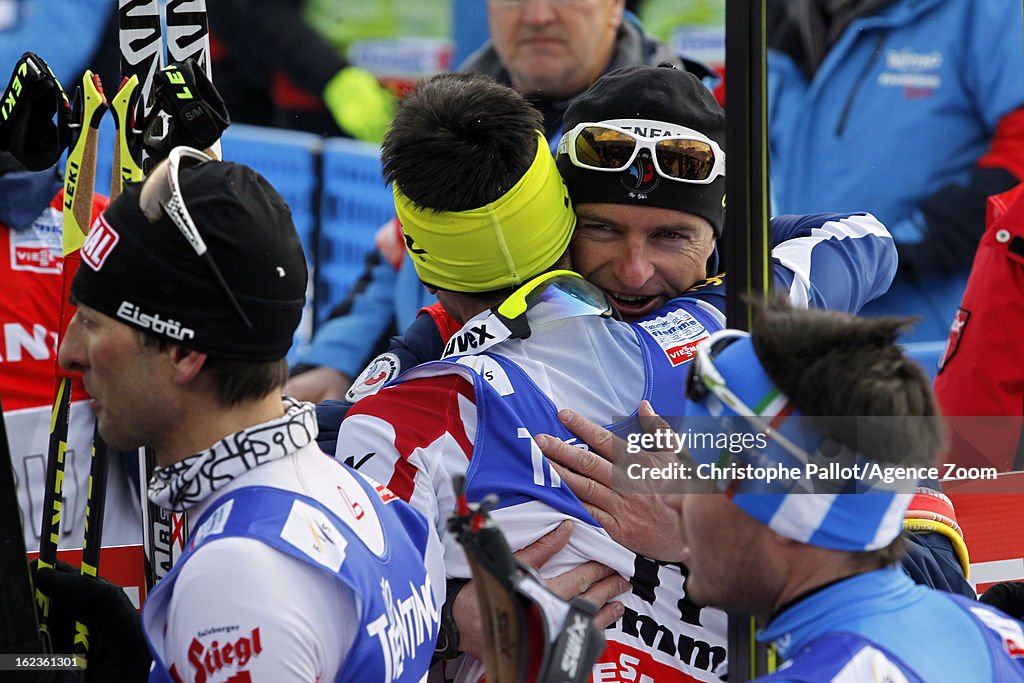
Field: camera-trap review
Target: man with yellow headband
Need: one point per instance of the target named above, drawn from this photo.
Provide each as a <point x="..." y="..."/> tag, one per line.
<point x="487" y="221"/>
<point x="549" y="50"/>
<point x="644" y="163"/>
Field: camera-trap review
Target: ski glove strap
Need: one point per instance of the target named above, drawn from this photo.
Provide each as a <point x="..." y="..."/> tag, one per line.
<point x="447" y="646"/>
<point x="188" y="101"/>
<point x="30" y="104"/>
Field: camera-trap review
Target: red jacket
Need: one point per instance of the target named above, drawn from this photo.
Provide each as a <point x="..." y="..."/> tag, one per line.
<point x="981" y="371"/>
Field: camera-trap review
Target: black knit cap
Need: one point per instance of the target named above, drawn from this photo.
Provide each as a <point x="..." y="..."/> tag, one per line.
<point x="655" y="93"/>
<point x="148" y="275"/>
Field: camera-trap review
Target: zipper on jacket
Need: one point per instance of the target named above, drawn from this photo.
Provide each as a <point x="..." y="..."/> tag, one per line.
<point x="880" y="41"/>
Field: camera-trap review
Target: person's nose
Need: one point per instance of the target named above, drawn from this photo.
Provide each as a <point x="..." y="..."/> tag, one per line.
<point x="633" y="267"/>
<point x="71" y="353"/>
<point x="538" y="12"/>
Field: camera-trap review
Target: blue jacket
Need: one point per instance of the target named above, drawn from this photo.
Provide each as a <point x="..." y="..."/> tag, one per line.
<point x="382" y="302"/>
<point x="873" y="625"/>
<point x="395" y="632"/>
<point x="893" y="122"/>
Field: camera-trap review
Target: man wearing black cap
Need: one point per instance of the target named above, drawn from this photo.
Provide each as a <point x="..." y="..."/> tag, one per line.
<point x="644" y="238"/>
<point x="487" y="222"/>
<point x="640" y="157"/>
<point x="191" y="287"/>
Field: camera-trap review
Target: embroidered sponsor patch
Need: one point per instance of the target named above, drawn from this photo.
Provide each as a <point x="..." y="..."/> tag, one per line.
<point x="956" y="333"/>
<point x="152" y="321"/>
<point x="309" y="530"/>
<point x="379" y="372"/>
<point x="99" y="243"/>
<point x="677" y="333"/>
<point x="385" y="493"/>
<point x="917" y="73"/>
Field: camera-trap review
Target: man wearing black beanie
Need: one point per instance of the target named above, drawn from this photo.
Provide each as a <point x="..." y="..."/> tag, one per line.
<point x="644" y="162"/>
<point x="191" y="287"/>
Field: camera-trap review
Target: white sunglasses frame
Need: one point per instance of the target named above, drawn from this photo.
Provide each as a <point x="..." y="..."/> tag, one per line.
<point x="644" y="142"/>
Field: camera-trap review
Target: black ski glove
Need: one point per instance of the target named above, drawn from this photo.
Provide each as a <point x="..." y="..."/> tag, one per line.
<point x="32" y="99"/>
<point x="188" y="101"/>
<point x="117" y="647"/>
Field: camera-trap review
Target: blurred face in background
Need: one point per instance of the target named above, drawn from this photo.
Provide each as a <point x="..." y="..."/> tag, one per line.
<point x="554" y="48"/>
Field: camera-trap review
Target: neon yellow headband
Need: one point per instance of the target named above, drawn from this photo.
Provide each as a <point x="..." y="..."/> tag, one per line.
<point x="498" y="245"/>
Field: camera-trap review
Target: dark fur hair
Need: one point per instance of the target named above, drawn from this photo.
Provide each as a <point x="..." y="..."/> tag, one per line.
<point x="834" y="365"/>
<point x="235" y="381"/>
<point x="460" y="141"/>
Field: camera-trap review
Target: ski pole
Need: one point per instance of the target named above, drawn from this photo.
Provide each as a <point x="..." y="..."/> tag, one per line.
<point x="745" y="250"/>
<point x="92" y="543"/>
<point x="79" y="180"/>
<point x="125" y="167"/>
<point x="81" y="209"/>
<point x="142" y="54"/>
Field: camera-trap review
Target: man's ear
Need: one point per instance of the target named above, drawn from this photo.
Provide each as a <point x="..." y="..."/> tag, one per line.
<point x="186" y="363"/>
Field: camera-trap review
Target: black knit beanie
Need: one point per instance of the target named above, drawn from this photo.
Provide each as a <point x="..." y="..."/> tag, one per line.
<point x="146" y="274"/>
